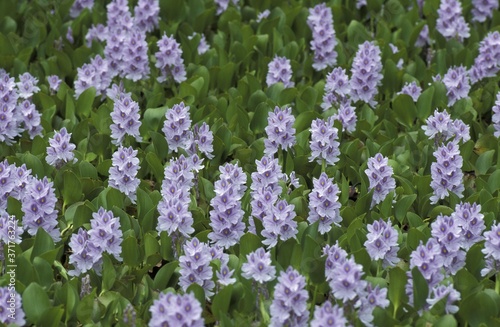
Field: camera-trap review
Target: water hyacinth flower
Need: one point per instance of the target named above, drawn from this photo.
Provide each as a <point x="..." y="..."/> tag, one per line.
<point x="382" y="243"/>
<point x="122" y="174"/>
<point x="31" y="118"/>
<point x="366" y="73"/>
<point x="412" y="89"/>
<point x="54" y="83"/>
<point x="27" y="86"/>
<point x="258" y="266"/>
<point x="147" y="15"/>
<point x="279" y="70"/>
<point x="487" y="62"/>
<point x="279" y="130"/>
<point x="483" y="9"/>
<point x="495" y="118"/>
<point x="203" y="45"/>
<point x="222" y="5"/>
<point x="324" y="141"/>
<point x="451" y="23"/>
<point x="171" y="309"/>
<point x="423" y="37"/>
<point x="446" y="172"/>
<point x="337" y="88"/>
<point x="38" y="206"/>
<point x="11" y="307"/>
<point x="174" y="215"/>
<point x="263" y="15"/>
<point x="279" y="223"/>
<point x="227" y="216"/>
<point x="447" y="232"/>
<point x="177" y="127"/>
<point x="324" y="205"/>
<point x="345" y="280"/>
<point x="203" y="139"/>
<point x="442" y="128"/>
<point x="169" y="60"/>
<point x="370" y="298"/>
<point x="85" y="254"/>
<point x="471" y="221"/>
<point x="323" y="44"/>
<point x="492" y="250"/>
<point x="106" y="233"/>
<point x="457" y="84"/>
<point x="195" y="266"/>
<point x="289" y="306"/>
<point x="380" y="177"/>
<point x="95" y="74"/>
<point x="440" y="292"/>
<point x="60" y="149"/>
<point x="426" y="258"/>
<point x="97" y="32"/>
<point x="78" y="6"/>
<point x="135" y="63"/>
<point x="9" y="117"/>
<point x="126" y="119"/>
<point x="328" y="315"/>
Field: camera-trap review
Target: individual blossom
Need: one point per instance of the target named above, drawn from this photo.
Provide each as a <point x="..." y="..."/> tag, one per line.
<point x="323" y="44"/>
<point x="440" y="292"/>
<point x="324" y="205"/>
<point x="280" y="71"/>
<point x="258" y="266"/>
<point x="370" y="298"/>
<point x="335" y="256"/>
<point x="279" y="223"/>
<point x="471" y="221"/>
<point x="122" y="173"/>
<point x="126" y="119"/>
<point x="39" y="210"/>
<point x="60" y="149"/>
<point x="382" y="243"/>
<point x="177" y="127"/>
<point x="86" y="78"/>
<point x="324" y="142"/>
<point x="451" y="23"/>
<point x="491" y="250"/>
<point x="380" y="177"/>
<point x="446" y="172"/>
<point x="495" y="118"/>
<point x="171" y="309"/>
<point x="106" y="233"/>
<point x="203" y="139"/>
<point x="13" y="182"/>
<point x="360" y="3"/>
<point x="426" y="258"/>
<point x="195" y="266"/>
<point x="85" y="254"/>
<point x="9" y="116"/>
<point x="227" y="216"/>
<point x="147" y="15"/>
<point x="487" y="62"/>
<point x="337" y="88"/>
<point x="447" y="232"/>
<point x="54" y="83"/>
<point x="11" y="307"/>
<point x="97" y="32"/>
<point x="412" y="89"/>
<point x="27" y="86"/>
<point x="483" y="9"/>
<point x="169" y="60"/>
<point x="78" y="6"/>
<point x="329" y="315"/>
<point x="30" y="117"/>
<point x="175" y="217"/>
<point x="442" y="128"/>
<point x="366" y="73"/>
<point x="457" y="84"/>
<point x="263" y="15"/>
<point x="222" y="5"/>
<point x="423" y="37"/>
<point x="289" y="306"/>
<point x="347" y="116"/>
<point x="202" y="45"/>
<point x="129" y="315"/>
<point x="279" y="130"/>
<point x="345" y="280"/>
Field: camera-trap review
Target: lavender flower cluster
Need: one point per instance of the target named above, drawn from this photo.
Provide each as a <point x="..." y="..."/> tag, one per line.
<point x="172" y="309"/>
<point x="324" y="205"/>
<point x="123" y="172"/>
<point x="125" y="116"/>
<point x="280" y="71"/>
<point x="487" y="62"/>
<point x="380" y="176"/>
<point x="279" y="130"/>
<point x="320" y="20"/>
<point x="450" y="22"/>
<point x="60" y="151"/>
<point x="324" y="142"/>
<point x="366" y="73"/>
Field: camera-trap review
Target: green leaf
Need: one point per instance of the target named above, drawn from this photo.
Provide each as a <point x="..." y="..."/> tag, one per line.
<point x="420" y="289"/>
<point x="35" y="302"/>
<point x="446" y="321"/>
<point x="34" y="164"/>
<point x="479" y="308"/>
<point x="72" y="190"/>
<point x="484" y="162"/>
<point x="108" y="273"/>
<point x="130" y="251"/>
<point x="404" y="110"/>
<point x="397" y="282"/>
<point x="221" y="301"/>
<point x="51" y="317"/>
<point x="249" y="243"/>
<point x="43" y="243"/>
<point x="402" y="206"/>
<point x="155" y="164"/>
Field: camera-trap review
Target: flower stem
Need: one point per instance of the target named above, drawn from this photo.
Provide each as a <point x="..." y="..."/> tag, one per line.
<point x="497" y="283"/>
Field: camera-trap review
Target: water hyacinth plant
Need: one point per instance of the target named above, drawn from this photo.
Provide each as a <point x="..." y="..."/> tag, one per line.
<point x="249" y="163"/>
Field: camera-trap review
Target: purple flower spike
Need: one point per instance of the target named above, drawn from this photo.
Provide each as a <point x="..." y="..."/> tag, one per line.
<point x="171" y="309"/>
<point x="450" y="23"/>
<point x="146" y="15"/>
<point x="86" y="255"/>
<point x="483" y="9"/>
<point x="492" y="250"/>
<point x="78" y="6"/>
<point x="380" y="176"/>
<point x="135" y="60"/>
<point x="195" y="266"/>
<point x="446" y="172"/>
<point x="441" y="128"/>
<point x="471" y="221"/>
<point x="280" y="70"/>
<point x="496" y="116"/>
<point x="27" y="86"/>
<point x="412" y="89"/>
<point x="369" y="299"/>
<point x="11" y="307"/>
<point x="203" y="138"/>
<point x="324" y="203"/>
<point x="426" y="258"/>
<point x="126" y="119"/>
<point x="9" y="117"/>
<point x="447" y="232"/>
<point x="457" y="84"/>
<point x="337" y="88"/>
<point x="279" y="130"/>
<point x="169" y="60"/>
<point x="279" y="223"/>
<point x="328" y="315"/>
<point x="345" y="280"/>
<point x="440" y="292"/>
<point x="347" y="116"/>
<point x="54" y="83"/>
<point x="61" y="149"/>
<point x="423" y="38"/>
<point x="487" y="63"/>
<point x="382" y="243"/>
<point x="323" y="44"/>
<point x="324" y="144"/>
<point x="258" y="266"/>
<point x="31" y="118"/>
<point x="106" y="233"/>
<point x="366" y="73"/>
<point x="289" y="306"/>
<point x="122" y="174"/>
<point x="177" y="127"/>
